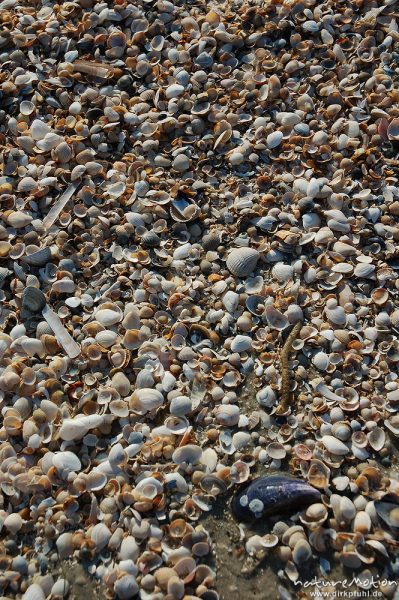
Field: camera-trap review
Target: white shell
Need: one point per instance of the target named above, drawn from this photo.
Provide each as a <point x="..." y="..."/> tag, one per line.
<point x="63" y="337"/>
<point x="126" y="587"/>
<point x="321" y="360"/>
<point x="64" y="544"/>
<point x="106" y="338"/>
<point x="187" y="454"/>
<point x="19" y="219"/>
<point x="75" y="429"/>
<point x="13" y="523"/>
<point x="100" y="535"/>
<point x="129" y="549"/>
<point x="66" y="462"/>
<point x="227" y="414"/>
<point x="242" y="261"/>
<point x="241" y="343"/>
<point x="230" y="301"/>
<point x="174" y="90"/>
<point x="274" y="139"/>
<point x="34" y="592"/>
<point x="364" y="270"/>
<point x="108" y="317"/>
<point x="334" y="445"/>
<point x="282" y="272"/>
<point x="145" y="399"/>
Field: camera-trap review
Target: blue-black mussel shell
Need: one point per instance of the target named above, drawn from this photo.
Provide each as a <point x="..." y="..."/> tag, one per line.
<point x="272" y="495"/>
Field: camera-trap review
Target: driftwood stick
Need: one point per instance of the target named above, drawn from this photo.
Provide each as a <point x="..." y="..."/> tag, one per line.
<point x="285" y="401"/>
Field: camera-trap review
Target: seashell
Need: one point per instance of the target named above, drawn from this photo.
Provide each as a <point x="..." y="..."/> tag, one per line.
<point x="33" y="299"/>
<point x="241" y="343"/>
<point x="282" y="272"/>
<point x="334" y="445"/>
<point x="13" y="523"/>
<point x="144" y="400"/>
<point x="271" y="495"/>
<point x="314" y="515"/>
<point x="275" y="318"/>
<point x="151" y="239"/>
<point x="106" y="338"/>
<point x="393" y="130"/>
<point x="64" y="545"/>
<point x="362" y="522"/>
<point x="227" y="414"/>
<point x="100" y="534"/>
<point x="388" y="510"/>
<point x="211" y="240"/>
<point x="129" y="549"/>
<point x="230" y="301"/>
<point x="274" y="139"/>
<point x="34" y="592"/>
<point x="75" y="429"/>
<point x="242" y="261"/>
<point x="189" y="454"/>
<point x="181" y="406"/>
<point x="19" y="219"/>
<point x="121" y="383"/>
<point x="341" y="431"/>
<point x="321" y="361"/>
<point x="364" y="270"/>
<point x="126" y="587"/>
<point x="62" y="335"/>
<point x="336" y="315"/>
<point x="318" y="474"/>
<point x="38" y="258"/>
<point x="108" y="317"/>
<point x="255" y="304"/>
<point x="302" y="552"/>
<point x="376" y="438"/>
<point x="276" y="450"/>
<point x="174" y="91"/>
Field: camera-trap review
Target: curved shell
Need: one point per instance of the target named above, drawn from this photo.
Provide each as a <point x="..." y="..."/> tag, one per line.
<point x="145" y="400"/>
<point x="242" y="261"/>
<point x="271" y="495"/>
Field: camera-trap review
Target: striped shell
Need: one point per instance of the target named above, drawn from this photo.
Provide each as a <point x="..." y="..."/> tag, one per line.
<point x="39" y="258"/>
<point x="242" y="261"/>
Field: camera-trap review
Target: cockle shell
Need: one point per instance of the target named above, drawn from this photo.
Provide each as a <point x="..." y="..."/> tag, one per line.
<point x="242" y="261"/>
<point x="145" y="399"/>
<point x="272" y="494"/>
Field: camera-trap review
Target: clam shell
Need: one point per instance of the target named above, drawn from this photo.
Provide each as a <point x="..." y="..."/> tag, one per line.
<point x="241" y="343"/>
<point x="282" y="272"/>
<point x="19" y="219"/>
<point x="106" y="338"/>
<point x="242" y="261"/>
<point x="230" y="301"/>
<point x="274" y="139"/>
<point x="145" y="399"/>
<point x="335" y="446"/>
<point x="275" y="318"/>
<point x="108" y="317"/>
<point x="272" y="495"/>
<point x="34" y="592"/>
<point x="33" y="299"/>
<point x="189" y="454"/>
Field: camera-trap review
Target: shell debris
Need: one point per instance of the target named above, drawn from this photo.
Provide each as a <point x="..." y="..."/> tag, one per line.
<point x="198" y="202"/>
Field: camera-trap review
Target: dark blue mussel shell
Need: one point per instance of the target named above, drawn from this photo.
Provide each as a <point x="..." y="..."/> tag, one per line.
<point x="272" y="495"/>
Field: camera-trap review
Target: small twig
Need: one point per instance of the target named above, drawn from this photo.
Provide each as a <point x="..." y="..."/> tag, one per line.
<point x="285" y="401"/>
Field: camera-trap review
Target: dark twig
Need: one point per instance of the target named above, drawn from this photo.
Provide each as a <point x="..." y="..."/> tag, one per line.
<point x="285" y="401"/>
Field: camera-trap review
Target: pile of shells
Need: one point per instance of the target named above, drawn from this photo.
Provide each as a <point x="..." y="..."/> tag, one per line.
<point x="180" y="185"/>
